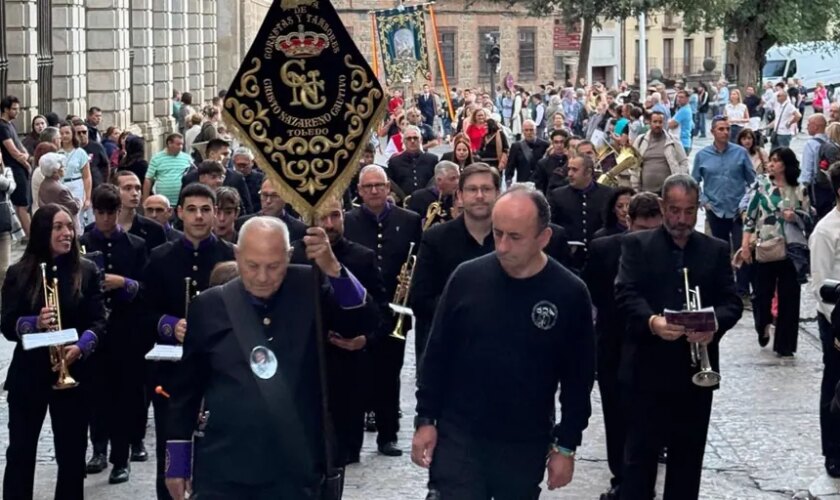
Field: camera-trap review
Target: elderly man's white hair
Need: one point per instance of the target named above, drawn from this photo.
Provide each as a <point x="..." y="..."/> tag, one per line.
<point x="656" y="98"/>
<point x="446" y="166"/>
<point x="264" y="223"/>
<point x="529" y="122"/>
<point x="50" y="163"/>
<point x="243" y="151"/>
<point x="372" y="168"/>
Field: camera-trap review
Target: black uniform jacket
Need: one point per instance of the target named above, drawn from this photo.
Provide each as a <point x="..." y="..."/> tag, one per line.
<point x="650" y="279"/>
<point x="153" y="234"/>
<point x="422" y="198"/>
<point x="232" y="179"/>
<point x="551" y="173"/>
<point x="412" y="171"/>
<point x="31" y="371"/>
<point x="520" y="164"/>
<point x="125" y="255"/>
<point x="259" y="431"/>
<point x="599" y="275"/>
<point x="361" y="262"/>
<point x="297" y="229"/>
<point x="581" y="213"/>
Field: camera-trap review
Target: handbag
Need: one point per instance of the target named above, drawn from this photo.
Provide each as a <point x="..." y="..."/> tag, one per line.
<point x="771" y="250"/>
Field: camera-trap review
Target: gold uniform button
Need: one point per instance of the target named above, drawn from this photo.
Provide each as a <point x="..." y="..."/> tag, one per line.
<point x="379" y="236"/>
<point x="266" y="321"/>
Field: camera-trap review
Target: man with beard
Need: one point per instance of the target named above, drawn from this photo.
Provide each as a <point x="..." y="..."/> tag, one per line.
<point x="599" y="276"/>
<point x="344" y="355"/>
<point x="128" y="218"/>
<point x="157" y="208"/>
<point x="100" y="165"/>
<point x="665" y="409"/>
<point x="662" y="156"/>
<point x="524" y="154"/>
<point x="389" y="231"/>
<point x="443" y="191"/>
<point x="274" y="206"/>
<point x="412" y="169"/>
<point x="553" y="171"/>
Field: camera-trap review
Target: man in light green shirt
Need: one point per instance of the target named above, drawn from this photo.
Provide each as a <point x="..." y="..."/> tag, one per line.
<point x="166" y="170"/>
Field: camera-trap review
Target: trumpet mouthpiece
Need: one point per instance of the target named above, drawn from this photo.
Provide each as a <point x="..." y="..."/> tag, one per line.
<point x="159" y="390"/>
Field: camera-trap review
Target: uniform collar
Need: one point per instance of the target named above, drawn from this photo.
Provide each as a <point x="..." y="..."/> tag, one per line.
<point x="96" y="233"/>
<point x="203" y="245"/>
<point x="588" y="189"/>
<point x="382" y="216"/>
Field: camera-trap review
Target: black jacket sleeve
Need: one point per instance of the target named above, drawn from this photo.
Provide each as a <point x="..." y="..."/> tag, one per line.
<point x="13" y="305"/>
<point x="93" y="303"/>
<point x="428" y="277"/>
<point x="628" y="289"/>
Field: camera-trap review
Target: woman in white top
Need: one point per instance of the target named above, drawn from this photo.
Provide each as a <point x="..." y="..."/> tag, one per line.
<point x="737" y="115"/>
<point x="76" y="171"/>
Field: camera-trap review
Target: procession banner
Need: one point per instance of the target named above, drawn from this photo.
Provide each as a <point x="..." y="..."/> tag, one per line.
<point x="304" y="101"/>
<point x="402" y="42"/>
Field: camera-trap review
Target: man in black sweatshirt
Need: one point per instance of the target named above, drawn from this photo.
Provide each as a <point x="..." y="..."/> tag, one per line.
<point x="487" y="382"/>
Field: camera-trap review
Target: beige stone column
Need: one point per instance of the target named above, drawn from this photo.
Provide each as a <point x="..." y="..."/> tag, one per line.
<point x="163" y="75"/>
<point x="70" y="71"/>
<point x="107" y="60"/>
<point x="22" y="51"/>
<point x="210" y="49"/>
<point x="181" y="48"/>
<point x="197" y="59"/>
<point x="143" y="78"/>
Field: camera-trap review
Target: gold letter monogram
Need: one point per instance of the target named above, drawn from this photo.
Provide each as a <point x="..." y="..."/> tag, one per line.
<point x="305" y="89"/>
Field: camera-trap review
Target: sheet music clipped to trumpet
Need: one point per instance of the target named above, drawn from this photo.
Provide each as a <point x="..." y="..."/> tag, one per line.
<point x="163" y="352"/>
<point x="48" y="339"/>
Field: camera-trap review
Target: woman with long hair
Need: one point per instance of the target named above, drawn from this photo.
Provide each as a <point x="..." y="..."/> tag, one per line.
<point x="76" y="169"/>
<point x="777" y="216"/>
<point x="737" y="115"/>
<point x="477" y="129"/>
<point x="747" y="138"/>
<point x="110" y="141"/>
<point x="39" y="123"/>
<point x="615" y="213"/>
<point x="494" y="146"/>
<point x="135" y="157"/>
<point x="461" y="152"/>
<point x="52" y="241"/>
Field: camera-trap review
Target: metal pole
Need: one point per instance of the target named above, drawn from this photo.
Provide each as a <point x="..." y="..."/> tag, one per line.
<point x="642" y="58"/>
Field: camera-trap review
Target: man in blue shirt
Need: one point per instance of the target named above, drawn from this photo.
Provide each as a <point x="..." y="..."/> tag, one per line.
<point x="683" y="122"/>
<point x="822" y="197"/>
<point x="726" y="173"/>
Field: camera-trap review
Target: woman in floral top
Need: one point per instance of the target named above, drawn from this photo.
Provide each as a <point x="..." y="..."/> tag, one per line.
<point x="778" y="207"/>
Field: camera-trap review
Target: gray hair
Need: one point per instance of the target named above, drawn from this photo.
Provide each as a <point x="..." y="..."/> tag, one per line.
<point x="419" y="134"/>
<point x="529" y="190"/>
<point x="243" y="151"/>
<point x="50" y="163"/>
<point x="372" y="168"/>
<point x="49" y="134"/>
<point x="656" y="98"/>
<point x="446" y="166"/>
<point x="265" y="223"/>
<point x="680" y="181"/>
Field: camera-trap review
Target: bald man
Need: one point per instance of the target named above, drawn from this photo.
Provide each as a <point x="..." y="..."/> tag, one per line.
<point x="525" y="154"/>
<point x="818" y="155"/>
<point x="497" y="439"/>
<point x="258" y="376"/>
<point x="157" y="208"/>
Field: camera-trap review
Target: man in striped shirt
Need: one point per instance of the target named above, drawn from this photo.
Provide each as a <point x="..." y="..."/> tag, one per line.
<point x="166" y="169"/>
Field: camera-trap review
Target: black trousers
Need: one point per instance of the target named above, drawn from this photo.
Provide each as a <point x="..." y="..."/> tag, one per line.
<point x="609" y="358"/>
<point x="213" y="490"/>
<point x="678" y="420"/>
<point x="770" y="276"/>
<point x="69" y="425"/>
<point x="829" y="422"/>
<point x="386" y="361"/>
<point x="346" y="401"/>
<point x="161" y="406"/>
<point x="466" y="467"/>
<point x="117" y="400"/>
<point x="421" y="338"/>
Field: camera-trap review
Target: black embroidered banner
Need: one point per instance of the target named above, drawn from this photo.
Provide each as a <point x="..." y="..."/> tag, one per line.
<point x="304" y="100"/>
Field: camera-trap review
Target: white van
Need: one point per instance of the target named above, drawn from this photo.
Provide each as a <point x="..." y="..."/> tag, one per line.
<point x="811" y="62"/>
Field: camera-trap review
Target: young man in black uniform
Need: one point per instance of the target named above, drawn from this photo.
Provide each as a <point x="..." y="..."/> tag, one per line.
<point x="250" y="354"/>
<point x="412" y="169"/>
<point x="345" y="359"/>
<point x="388" y="230"/>
<point x="663" y="407"/>
<point x="599" y="275"/>
<point x="132" y="222"/>
<point x="552" y="171"/>
<point x="157" y="208"/>
<point x="193" y="257"/>
<point x="511" y="325"/>
<point x="447" y="174"/>
<point x="274" y="206"/>
<point x="117" y="395"/>
<point x="219" y="150"/>
<point x="579" y="206"/>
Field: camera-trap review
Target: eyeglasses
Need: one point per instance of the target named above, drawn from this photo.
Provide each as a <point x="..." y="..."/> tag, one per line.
<point x="412" y="138"/>
<point x="269" y="196"/>
<point x="81" y="132"/>
<point x="378" y="186"/>
<point x="474" y="190"/>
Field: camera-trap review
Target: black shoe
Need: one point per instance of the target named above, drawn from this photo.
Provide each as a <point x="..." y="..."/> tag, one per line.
<point x="118" y="475"/>
<point x="764" y="337"/>
<point x="785" y="354"/>
<point x="370" y="422"/>
<point x="390" y="449"/>
<point x="138" y="453"/>
<point x="832" y="466"/>
<point x="96" y="464"/>
<point x="663" y="456"/>
<point x="611" y="494"/>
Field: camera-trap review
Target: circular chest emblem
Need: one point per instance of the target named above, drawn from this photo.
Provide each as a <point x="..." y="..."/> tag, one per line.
<point x="544" y="315"/>
<point x="263" y="362"/>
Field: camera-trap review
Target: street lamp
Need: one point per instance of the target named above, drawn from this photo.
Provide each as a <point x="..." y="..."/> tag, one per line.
<point x="493" y="58"/>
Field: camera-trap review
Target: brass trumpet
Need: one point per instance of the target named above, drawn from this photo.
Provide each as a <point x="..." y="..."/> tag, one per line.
<point x="186" y="296"/>
<point x="51" y="300"/>
<point x="434" y="211"/>
<point x="400" y="302"/>
<point x="706" y="377"/>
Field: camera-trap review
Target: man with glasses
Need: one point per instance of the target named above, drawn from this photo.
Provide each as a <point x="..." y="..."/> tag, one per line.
<point x="525" y="154"/>
<point x="157" y="208"/>
<point x="100" y="165"/>
<point x="389" y="231"/>
<point x="243" y="162"/>
<point x="274" y="206"/>
<point x="412" y="169"/>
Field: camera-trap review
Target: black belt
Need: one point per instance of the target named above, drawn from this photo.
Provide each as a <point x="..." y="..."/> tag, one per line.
<point x="72" y="180"/>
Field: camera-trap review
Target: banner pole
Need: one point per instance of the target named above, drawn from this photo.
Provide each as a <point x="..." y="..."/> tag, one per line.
<point x="442" y="68"/>
<point x="373" y="45"/>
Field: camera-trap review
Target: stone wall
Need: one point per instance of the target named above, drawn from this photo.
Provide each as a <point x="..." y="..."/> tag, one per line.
<point x="237" y="25"/>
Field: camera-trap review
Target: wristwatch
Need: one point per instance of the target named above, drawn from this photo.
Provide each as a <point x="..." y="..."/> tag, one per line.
<point x="566" y="452"/>
<point x="421" y="421"/>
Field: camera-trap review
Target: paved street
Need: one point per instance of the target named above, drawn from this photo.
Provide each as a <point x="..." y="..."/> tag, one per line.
<point x="763" y="441"/>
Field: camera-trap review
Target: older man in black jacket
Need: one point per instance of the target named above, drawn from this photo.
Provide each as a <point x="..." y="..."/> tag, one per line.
<point x="524" y="154"/>
<point x="665" y="409"/>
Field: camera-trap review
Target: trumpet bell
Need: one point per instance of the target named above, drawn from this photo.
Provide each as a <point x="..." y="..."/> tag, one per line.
<point x="706" y="378"/>
<point x="65" y="382"/>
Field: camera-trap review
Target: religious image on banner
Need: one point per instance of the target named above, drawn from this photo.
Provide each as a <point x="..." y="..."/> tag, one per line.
<point x="304" y="101"/>
<point x="402" y="38"/>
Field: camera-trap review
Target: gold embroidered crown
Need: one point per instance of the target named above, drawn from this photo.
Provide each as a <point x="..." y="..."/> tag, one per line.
<point x="302" y="43"/>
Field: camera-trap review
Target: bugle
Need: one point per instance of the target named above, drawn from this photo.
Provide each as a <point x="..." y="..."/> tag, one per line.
<point x="51" y="300"/>
<point x="706" y="377"/>
<point x="400" y="302"/>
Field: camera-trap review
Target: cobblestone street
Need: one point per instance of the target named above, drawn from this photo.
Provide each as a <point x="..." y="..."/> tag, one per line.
<point x="764" y="440"/>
